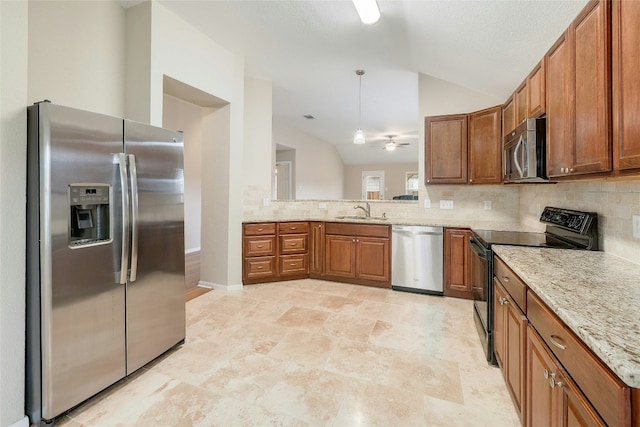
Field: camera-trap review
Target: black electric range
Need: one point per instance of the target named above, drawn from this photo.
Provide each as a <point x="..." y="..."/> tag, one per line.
<point x="565" y="229"/>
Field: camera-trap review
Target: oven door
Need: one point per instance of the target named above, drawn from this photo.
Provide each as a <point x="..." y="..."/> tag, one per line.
<point x="481" y="271"/>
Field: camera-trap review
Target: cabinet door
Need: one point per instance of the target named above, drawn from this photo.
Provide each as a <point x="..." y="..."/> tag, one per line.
<point x="457" y="258"/>
<point x="536" y="105"/>
<point x="508" y="117"/>
<point x="574" y="410"/>
<point x="542" y="400"/>
<point x="521" y="105"/>
<point x="446" y="149"/>
<point x="316" y="247"/>
<point x="558" y="99"/>
<point x="499" y="297"/>
<point x="340" y="256"/>
<point x="515" y="324"/>
<point x="485" y="147"/>
<point x="626" y="85"/>
<point x="372" y="259"/>
<point x="590" y="34"/>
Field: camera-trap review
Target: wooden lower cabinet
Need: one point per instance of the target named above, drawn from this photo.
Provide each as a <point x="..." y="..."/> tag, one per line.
<point x="358" y="253"/>
<point x="316" y="249"/>
<point x="553" y="399"/>
<point x="510" y="326"/>
<point x="457" y="263"/>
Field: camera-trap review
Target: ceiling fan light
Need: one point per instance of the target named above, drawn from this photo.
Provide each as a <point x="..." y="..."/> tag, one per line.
<point x="367" y="10"/>
<point x="390" y="146"/>
<point x="359" y="137"/>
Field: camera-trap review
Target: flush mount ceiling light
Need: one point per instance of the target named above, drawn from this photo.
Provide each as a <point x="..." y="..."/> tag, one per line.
<point x="367" y="10"/>
<point x="359" y="136"/>
<point x="390" y="146"/>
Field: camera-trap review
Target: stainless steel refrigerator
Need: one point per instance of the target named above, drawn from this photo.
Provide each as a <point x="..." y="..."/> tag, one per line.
<point x="105" y="252"/>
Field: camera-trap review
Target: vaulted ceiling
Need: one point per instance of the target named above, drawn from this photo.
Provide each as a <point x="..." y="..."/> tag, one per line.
<point x="311" y="49"/>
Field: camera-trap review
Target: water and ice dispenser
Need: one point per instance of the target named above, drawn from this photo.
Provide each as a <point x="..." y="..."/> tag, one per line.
<point x="89" y="214"/>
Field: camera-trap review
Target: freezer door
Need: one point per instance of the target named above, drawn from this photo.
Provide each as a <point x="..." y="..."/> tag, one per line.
<point x="75" y="303"/>
<point x="156" y="289"/>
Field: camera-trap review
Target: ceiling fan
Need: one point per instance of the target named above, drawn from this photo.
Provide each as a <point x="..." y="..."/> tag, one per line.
<point x="390" y="143"/>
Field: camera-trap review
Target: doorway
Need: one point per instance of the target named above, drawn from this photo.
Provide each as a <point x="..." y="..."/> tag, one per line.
<point x="373" y="185"/>
<point x="282" y="190"/>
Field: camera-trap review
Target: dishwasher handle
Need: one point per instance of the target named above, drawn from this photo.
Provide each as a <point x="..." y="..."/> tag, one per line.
<point x="477" y="248"/>
<point x="417" y="233"/>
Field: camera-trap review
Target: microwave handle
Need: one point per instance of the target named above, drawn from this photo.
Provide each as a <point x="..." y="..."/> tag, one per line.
<point x="515" y="156"/>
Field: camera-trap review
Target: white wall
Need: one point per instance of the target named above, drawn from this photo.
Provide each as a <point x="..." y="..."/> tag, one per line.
<point x="319" y="168"/>
<point x="394" y="178"/>
<point x="77" y="55"/>
<point x="13" y="100"/>
<point x="179" y="114"/>
<point x="258" y="139"/>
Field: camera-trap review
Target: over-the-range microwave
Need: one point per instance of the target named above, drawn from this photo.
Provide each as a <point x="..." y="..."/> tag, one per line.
<point x="524" y="152"/>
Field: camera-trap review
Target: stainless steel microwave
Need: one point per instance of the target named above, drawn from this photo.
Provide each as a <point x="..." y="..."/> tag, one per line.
<point x="524" y="153"/>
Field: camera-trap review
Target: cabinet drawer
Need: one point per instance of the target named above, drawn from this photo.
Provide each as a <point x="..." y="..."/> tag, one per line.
<point x="259" y="246"/>
<point x="294" y="264"/>
<point x="260" y="229"/>
<point x="260" y="267"/>
<point x="293" y="227"/>
<point x="608" y="395"/>
<point x="293" y="243"/>
<point x="511" y="282"/>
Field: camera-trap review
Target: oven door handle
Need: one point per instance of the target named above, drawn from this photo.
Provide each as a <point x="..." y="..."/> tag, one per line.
<point x="476" y="248"/>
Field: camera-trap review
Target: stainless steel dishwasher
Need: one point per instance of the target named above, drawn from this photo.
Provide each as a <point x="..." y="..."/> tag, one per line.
<point x="417" y="259"/>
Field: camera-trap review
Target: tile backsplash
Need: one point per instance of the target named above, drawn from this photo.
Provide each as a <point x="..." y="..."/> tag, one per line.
<point x="614" y="201"/>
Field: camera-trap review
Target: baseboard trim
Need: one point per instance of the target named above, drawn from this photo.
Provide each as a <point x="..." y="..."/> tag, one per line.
<point x="219" y="287"/>
<point x="23" y="422"/>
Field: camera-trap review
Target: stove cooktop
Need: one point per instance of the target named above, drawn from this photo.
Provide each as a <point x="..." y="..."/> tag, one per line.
<point x="518" y="238"/>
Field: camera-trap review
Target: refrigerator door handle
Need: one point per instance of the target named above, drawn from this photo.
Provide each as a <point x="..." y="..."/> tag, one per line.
<point x="124" y="185"/>
<point x="134" y="217"/>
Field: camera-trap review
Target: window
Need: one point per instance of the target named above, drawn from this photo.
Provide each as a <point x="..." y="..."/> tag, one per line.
<point x="411" y="183"/>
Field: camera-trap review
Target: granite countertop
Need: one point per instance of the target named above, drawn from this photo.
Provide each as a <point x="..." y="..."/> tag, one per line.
<point x="596" y="294"/>
<point x="429" y="222"/>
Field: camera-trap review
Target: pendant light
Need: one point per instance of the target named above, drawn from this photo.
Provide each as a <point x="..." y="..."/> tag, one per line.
<point x="359" y="136"/>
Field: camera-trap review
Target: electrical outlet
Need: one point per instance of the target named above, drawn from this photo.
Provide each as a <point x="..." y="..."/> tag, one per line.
<point x="427" y="203"/>
<point x="636" y="226"/>
<point x="446" y="204"/>
<point x="488" y="205"/>
<point x="266" y="201"/>
<point x="322" y="205"/>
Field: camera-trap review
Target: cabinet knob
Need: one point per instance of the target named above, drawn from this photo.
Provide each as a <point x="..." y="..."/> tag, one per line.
<point x="571" y="170"/>
<point x="546" y="374"/>
<point x="470" y="180"/>
<point x="553" y="383"/>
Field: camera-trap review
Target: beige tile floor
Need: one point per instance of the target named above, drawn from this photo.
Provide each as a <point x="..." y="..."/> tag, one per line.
<point x="313" y="353"/>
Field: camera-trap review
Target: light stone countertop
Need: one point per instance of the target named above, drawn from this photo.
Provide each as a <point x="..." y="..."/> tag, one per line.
<point x="596" y="294"/>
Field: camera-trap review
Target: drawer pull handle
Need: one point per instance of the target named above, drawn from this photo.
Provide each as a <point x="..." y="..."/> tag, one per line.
<point x="260" y="246"/>
<point x="293" y="264"/>
<point x="505" y="279"/>
<point x="260" y="267"/>
<point x="557" y="341"/>
<point x="294" y="228"/>
<point x="293" y="244"/>
<point x="259" y="229"/>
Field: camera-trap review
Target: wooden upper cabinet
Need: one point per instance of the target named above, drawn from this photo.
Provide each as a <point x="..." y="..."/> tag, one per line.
<point x="520" y="102"/>
<point x="558" y="80"/>
<point x="446" y="149"/>
<point x="485" y="147"/>
<point x="626" y="85"/>
<point x="536" y="105"/>
<point x="591" y="37"/>
<point x="508" y="117"/>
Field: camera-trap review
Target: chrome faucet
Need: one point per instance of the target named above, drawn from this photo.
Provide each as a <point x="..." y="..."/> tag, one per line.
<point x="367" y="209"/>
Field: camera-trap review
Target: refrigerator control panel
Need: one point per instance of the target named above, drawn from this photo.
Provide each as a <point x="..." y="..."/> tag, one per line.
<point x="89" y="214"/>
